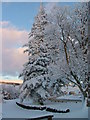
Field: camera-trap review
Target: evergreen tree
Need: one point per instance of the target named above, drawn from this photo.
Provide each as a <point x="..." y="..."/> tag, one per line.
<point x="40" y="73"/>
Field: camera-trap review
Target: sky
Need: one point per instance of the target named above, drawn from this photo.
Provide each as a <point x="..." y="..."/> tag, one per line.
<point x="17" y="20"/>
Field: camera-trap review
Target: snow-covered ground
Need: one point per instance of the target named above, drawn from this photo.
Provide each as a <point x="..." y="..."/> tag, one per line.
<point x="71" y="88"/>
<point x="0" y="111"/>
<point x="70" y="97"/>
<point x="0" y="106"/>
<point x="11" y="110"/>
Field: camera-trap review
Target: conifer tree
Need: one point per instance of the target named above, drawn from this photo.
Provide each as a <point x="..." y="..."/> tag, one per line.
<point x="40" y="72"/>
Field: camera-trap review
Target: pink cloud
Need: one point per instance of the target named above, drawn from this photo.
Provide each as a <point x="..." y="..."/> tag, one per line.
<point x="12" y="37"/>
<point x="4" y="23"/>
<point x="13" y="57"/>
<point x="13" y="60"/>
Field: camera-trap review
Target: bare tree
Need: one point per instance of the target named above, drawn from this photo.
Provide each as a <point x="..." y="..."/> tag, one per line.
<point x="72" y="25"/>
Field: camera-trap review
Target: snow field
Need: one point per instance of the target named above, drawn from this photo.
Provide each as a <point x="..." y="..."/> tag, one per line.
<point x="11" y="110"/>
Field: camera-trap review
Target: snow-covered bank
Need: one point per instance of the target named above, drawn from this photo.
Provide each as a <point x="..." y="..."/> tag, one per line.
<point x="11" y="110"/>
<point x="70" y="97"/>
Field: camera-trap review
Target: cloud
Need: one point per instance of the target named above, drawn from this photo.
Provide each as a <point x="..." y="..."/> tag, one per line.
<point x="4" y="23"/>
<point x="13" y="57"/>
<point x="12" y="37"/>
<point x="13" y="60"/>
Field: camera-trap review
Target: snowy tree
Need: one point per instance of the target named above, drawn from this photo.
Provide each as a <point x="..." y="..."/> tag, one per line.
<point x="81" y="34"/>
<point x="43" y="53"/>
<point x="72" y="32"/>
<point x="10" y="91"/>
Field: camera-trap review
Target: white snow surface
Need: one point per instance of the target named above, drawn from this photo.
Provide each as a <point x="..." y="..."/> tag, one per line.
<point x="11" y="110"/>
<point x="70" y="88"/>
<point x="70" y="97"/>
<point x="33" y="81"/>
<point x="0" y="106"/>
<point x="0" y="111"/>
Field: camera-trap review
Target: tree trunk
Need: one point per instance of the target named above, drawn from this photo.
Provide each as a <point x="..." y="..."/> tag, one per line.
<point x="83" y="92"/>
<point x="66" y="54"/>
<point x="83" y="96"/>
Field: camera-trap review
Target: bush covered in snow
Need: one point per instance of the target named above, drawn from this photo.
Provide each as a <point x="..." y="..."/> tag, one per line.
<point x="10" y="91"/>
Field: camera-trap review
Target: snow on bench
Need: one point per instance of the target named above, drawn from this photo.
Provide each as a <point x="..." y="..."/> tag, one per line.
<point x="49" y="109"/>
